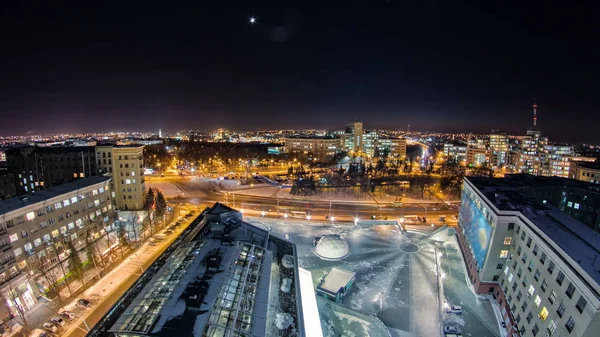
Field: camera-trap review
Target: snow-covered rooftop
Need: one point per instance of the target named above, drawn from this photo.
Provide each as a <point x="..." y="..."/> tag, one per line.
<point x="336" y="279"/>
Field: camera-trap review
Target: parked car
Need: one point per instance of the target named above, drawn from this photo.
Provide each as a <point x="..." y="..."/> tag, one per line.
<point x="83" y="303"/>
<point x="50" y="327"/>
<point x="57" y="321"/>
<point x="68" y="315"/>
<point x="451" y="329"/>
<point x="454" y="309"/>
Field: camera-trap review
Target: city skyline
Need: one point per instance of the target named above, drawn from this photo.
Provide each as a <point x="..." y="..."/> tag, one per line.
<point x="203" y="68"/>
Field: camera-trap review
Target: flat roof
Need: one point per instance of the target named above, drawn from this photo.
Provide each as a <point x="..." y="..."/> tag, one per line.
<point x="336" y="279"/>
<point x="588" y="165"/>
<point x="576" y="239"/>
<point x="15" y="203"/>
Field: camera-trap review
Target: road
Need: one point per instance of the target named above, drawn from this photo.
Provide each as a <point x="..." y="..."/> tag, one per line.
<point x="198" y="191"/>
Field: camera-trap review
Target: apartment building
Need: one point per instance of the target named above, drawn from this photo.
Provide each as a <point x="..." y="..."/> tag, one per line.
<point x="36" y="168"/>
<point x="128" y="177"/>
<point x="33" y="232"/>
<point x="395" y="147"/>
<point x="555" y="160"/>
<point x="539" y="263"/>
<point x="498" y="149"/>
<point x="531" y="150"/>
<point x="7" y="185"/>
<point x="456" y="152"/>
<point x="319" y="146"/>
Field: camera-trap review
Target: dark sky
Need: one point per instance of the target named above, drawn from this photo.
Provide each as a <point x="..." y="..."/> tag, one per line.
<point x="467" y="66"/>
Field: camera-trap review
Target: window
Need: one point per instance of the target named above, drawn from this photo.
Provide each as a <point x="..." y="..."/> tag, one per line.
<point x="570" y="324"/>
<point x="570" y="204"/>
<point x="544" y="285"/>
<point x="529" y="317"/>
<point x="544" y="314"/>
<point x="55" y="233"/>
<point x="60" y="217"/>
<point x="576" y="206"/>
<point x="37" y="242"/>
<point x="49" y="209"/>
<point x="499" y="266"/>
<point x="94" y="192"/>
<point x="570" y="290"/>
<point x="528" y="242"/>
<point x="537" y="301"/>
<point x="551" y="267"/>
<point x="535" y="250"/>
<point x="536" y="276"/>
<point x="127" y="181"/>
<point x="581" y="304"/>
<point x="551" y="327"/>
<point x="519" y="295"/>
<point x="495" y="279"/>
<point x="13" y="238"/>
<point x="511" y="226"/>
<point x="101" y="190"/>
<point x="18" y="251"/>
<point x="503" y="255"/>
<point x="66" y="202"/>
<point x="43" y="224"/>
<point x="523" y="236"/>
<point x="74" y="200"/>
<point x="561" y="310"/>
<point x="535" y="330"/>
<point x="71" y="225"/>
<point x="524" y="306"/>
<point x="560" y="278"/>
<point x="543" y="258"/>
<point x="519" y="251"/>
<point x="552" y="297"/>
<point x="530" y="267"/>
<point x="30" y="216"/>
<point x="506" y="270"/>
<point x="531" y="290"/>
<point x="510" y="277"/>
<point x="524" y="258"/>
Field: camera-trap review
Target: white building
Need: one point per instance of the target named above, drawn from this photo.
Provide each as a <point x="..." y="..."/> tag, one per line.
<point x="540" y="264"/>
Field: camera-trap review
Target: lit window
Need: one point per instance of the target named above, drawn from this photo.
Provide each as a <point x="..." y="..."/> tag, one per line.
<point x="569" y="204"/>
<point x="30" y="216"/>
<point x="127" y="181"/>
<point x="66" y="202"/>
<point x="101" y="189"/>
<point x="508" y="240"/>
<point x="506" y="270"/>
<point x="503" y="254"/>
<point x="576" y="206"/>
<point x="95" y="192"/>
<point x="531" y="290"/>
<point x="544" y="314"/>
<point x="74" y="200"/>
<point x="37" y="242"/>
<point x="510" y="277"/>
<point x="57" y="205"/>
<point x="18" y="251"/>
<point x="55" y="233"/>
<point x="537" y="301"/>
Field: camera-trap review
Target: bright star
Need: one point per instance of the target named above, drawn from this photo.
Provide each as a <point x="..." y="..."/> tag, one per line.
<point x="252" y="20"/>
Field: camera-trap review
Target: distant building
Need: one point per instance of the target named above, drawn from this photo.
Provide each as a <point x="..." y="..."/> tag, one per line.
<point x="395" y="147"/>
<point x="36" y="168"/>
<point x="498" y="149"/>
<point x="456" y="152"/>
<point x="477" y="156"/>
<point x="222" y="277"/>
<point x="319" y="146"/>
<point x="531" y="151"/>
<point x="353" y="138"/>
<point x="7" y="185"/>
<point x="125" y="164"/>
<point x="369" y="144"/>
<point x="33" y="230"/>
<point x="585" y="171"/>
<point x="555" y="160"/>
<point x="538" y="262"/>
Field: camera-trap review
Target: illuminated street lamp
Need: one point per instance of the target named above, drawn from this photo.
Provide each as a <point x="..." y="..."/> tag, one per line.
<point x="263" y="213"/>
<point x="332" y="218"/>
<point x="356" y="221"/>
<point x="308" y="217"/>
<point x="242" y="211"/>
<point x="285" y="215"/>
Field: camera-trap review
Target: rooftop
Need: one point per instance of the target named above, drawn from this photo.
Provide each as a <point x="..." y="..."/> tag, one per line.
<point x="577" y="240"/>
<point x="15" y="203"/>
<point x="336" y="279"/>
<point x="588" y="165"/>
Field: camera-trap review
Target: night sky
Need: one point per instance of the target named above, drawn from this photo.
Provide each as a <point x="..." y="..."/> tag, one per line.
<point x="467" y="66"/>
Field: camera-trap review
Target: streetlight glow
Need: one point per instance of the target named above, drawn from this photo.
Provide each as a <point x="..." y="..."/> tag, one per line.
<point x="285" y="215"/>
<point x="252" y="20"/>
<point x="332" y="219"/>
<point x="308" y="217"/>
<point x="356" y="220"/>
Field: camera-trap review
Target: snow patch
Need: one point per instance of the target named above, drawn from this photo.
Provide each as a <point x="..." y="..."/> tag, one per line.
<point x="283" y="320"/>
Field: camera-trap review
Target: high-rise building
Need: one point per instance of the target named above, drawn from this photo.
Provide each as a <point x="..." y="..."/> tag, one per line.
<point x="538" y="262"/>
<point x="498" y="149"/>
<point x="223" y="277"/>
<point x="369" y="143"/>
<point x="531" y="152"/>
<point x="33" y="232"/>
<point x="125" y="163"/>
<point x="394" y="147"/>
<point x="555" y="160"/>
<point x="456" y="152"/>
<point x="36" y="168"/>
<point x="477" y="156"/>
<point x="353" y="137"/>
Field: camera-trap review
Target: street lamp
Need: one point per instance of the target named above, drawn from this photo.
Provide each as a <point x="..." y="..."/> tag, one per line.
<point x="308" y="217"/>
<point x="356" y="221"/>
<point x="332" y="218"/>
<point x="263" y="213"/>
<point x="285" y="215"/>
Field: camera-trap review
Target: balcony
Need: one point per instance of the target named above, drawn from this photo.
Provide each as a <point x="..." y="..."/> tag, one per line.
<point x="3" y="231"/>
<point x="10" y="277"/>
<point x="8" y="260"/>
<point x="5" y="247"/>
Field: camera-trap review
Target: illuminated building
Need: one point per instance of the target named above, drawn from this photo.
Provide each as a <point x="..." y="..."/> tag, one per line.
<point x="555" y="160"/>
<point x="531" y="153"/>
<point x="395" y="147"/>
<point x="585" y="171"/>
<point x="125" y="163"/>
<point x="538" y="262"/>
<point x="320" y="146"/>
<point x="456" y="152"/>
<point x="353" y="137"/>
<point x="498" y="149"/>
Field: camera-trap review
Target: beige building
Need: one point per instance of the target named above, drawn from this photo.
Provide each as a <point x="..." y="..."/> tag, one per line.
<point x="320" y="146"/>
<point x="395" y="146"/>
<point x="477" y="156"/>
<point x="585" y="171"/>
<point x="125" y="163"/>
<point x="33" y="231"/>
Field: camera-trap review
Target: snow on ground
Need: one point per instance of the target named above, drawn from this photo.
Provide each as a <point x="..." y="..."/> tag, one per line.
<point x="167" y="188"/>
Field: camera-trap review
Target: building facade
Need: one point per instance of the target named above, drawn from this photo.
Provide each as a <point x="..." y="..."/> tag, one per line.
<point x="33" y="233"/>
<point x="128" y="177"/>
<point x="353" y="138"/>
<point x="498" y="149"/>
<point x="584" y="171"/>
<point x="555" y="160"/>
<point x="394" y="147"/>
<point x="319" y="146"/>
<point x="456" y="152"/>
<point x="531" y="150"/>
<point x="477" y="156"/>
<point x="36" y="168"/>
<point x="7" y="185"/>
<point x="539" y="263"/>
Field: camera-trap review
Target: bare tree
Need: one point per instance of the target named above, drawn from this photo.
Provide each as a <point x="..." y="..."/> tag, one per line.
<point x="13" y="294"/>
<point x="50" y="278"/>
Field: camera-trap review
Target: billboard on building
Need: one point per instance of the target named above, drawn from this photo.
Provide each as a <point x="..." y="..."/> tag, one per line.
<point x="274" y="150"/>
<point x="476" y="228"/>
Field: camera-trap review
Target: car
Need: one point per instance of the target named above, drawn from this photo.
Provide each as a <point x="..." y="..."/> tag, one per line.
<point x="57" y="321"/>
<point x="454" y="309"/>
<point x="50" y="327"/>
<point x="67" y="314"/>
<point x="83" y="303"/>
<point x="451" y="329"/>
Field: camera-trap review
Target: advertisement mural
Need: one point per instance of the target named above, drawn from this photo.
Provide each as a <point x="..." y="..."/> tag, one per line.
<point x="477" y="229"/>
